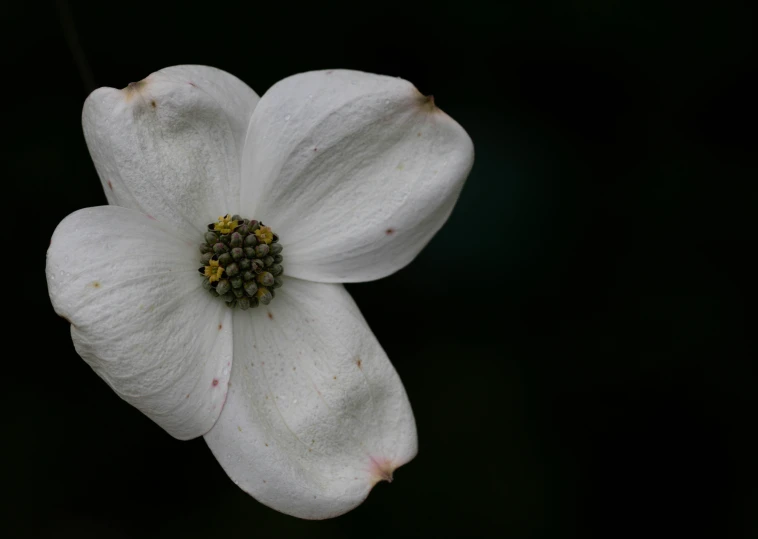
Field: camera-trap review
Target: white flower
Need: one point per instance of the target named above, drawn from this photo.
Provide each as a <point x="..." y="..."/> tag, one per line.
<point x="355" y="173"/>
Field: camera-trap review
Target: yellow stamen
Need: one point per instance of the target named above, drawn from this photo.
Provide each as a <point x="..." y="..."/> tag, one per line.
<point x="214" y="271"/>
<point x="225" y="224"/>
<point x="264" y="234"/>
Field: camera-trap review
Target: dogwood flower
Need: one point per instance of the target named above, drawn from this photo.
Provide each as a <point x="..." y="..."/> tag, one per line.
<point x="331" y="177"/>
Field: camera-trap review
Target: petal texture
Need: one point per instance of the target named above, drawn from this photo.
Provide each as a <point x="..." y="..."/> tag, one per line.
<point x="139" y="316"/>
<point x="355" y="172"/>
<point x="170" y="145"/>
<point x="316" y="414"/>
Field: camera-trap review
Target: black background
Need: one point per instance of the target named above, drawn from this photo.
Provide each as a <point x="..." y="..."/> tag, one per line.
<point x="591" y="376"/>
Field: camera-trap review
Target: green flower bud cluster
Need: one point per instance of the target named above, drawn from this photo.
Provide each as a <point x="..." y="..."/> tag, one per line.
<point x="251" y="263"/>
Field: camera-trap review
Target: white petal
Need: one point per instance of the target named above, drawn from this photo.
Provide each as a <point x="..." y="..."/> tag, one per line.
<point x="170" y="145"/>
<point x="316" y="414"/>
<point x="355" y="172"/>
<point x="139" y="316"/>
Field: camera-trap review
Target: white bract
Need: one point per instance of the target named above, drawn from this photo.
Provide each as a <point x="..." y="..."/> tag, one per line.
<point x="355" y="172"/>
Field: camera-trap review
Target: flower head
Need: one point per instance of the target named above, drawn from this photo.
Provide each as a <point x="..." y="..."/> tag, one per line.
<point x="292" y="392"/>
<point x="264" y="234"/>
<point x="213" y="271"/>
<point x="225" y="224"/>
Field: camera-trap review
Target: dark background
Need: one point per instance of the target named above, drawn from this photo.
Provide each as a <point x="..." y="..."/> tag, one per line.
<point x="591" y="377"/>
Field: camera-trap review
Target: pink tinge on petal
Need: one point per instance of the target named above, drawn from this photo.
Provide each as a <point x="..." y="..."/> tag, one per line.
<point x="381" y="469"/>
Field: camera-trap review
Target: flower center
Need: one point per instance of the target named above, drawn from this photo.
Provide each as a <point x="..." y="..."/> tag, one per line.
<point x="241" y="261"/>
